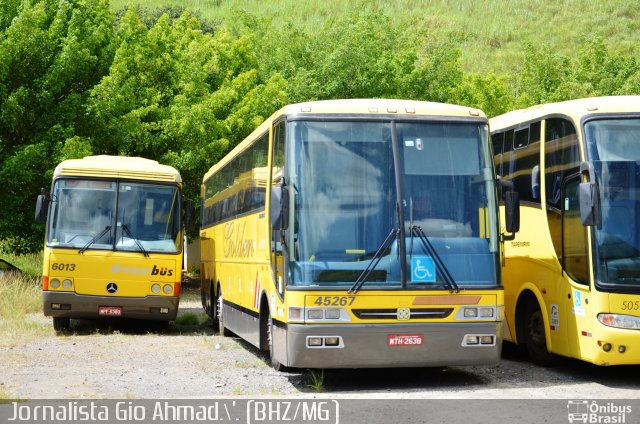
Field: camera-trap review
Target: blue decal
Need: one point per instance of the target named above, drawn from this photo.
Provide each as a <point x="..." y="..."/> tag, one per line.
<point x="423" y="269"/>
<point x="577" y="300"/>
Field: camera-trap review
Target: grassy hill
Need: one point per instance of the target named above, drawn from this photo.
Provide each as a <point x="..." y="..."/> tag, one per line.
<point x="489" y="33"/>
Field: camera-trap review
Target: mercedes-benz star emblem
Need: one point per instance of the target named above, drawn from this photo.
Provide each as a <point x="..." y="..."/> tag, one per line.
<point x="112" y="287"/>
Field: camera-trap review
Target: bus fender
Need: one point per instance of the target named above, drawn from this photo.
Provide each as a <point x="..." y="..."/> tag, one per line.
<point x="529" y="292"/>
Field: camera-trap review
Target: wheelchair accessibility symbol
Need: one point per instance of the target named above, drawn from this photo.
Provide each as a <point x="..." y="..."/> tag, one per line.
<point x="423" y="269"/>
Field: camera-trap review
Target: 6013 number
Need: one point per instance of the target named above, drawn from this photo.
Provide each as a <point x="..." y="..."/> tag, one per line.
<point x="61" y="266"/>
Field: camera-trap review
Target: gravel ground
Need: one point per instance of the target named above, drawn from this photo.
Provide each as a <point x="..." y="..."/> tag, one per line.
<point x="123" y="359"/>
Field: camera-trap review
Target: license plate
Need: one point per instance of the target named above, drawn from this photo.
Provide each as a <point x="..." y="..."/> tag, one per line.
<point x="113" y="311"/>
<point x="405" y="340"/>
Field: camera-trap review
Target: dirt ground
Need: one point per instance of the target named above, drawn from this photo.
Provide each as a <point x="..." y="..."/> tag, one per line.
<point x="127" y="359"/>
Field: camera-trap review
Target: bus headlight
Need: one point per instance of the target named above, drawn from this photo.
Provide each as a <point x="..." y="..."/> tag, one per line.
<point x="486" y="312"/>
<point x="314" y="314"/>
<point x="470" y="312"/>
<point x="477" y="313"/>
<point x="54" y="283"/>
<point x="155" y="288"/>
<point x="620" y="321"/>
<point x="167" y="289"/>
<point x="333" y="313"/>
<point x="67" y="284"/>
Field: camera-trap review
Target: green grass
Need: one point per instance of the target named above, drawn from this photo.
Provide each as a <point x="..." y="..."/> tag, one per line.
<point x="19" y="296"/>
<point x="188" y="319"/>
<point x="30" y="265"/>
<point x="316" y="380"/>
<point x="490" y="33"/>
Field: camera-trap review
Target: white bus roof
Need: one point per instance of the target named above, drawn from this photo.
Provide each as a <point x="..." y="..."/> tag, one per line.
<point x="104" y="166"/>
<point x="574" y="109"/>
<point x="355" y="107"/>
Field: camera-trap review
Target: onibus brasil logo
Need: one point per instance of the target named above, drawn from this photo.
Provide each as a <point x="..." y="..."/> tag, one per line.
<point x="583" y="411"/>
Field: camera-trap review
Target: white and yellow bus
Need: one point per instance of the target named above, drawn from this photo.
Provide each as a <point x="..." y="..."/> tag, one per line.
<point x="114" y="240"/>
<point x="357" y="233"/>
<point x="572" y="274"/>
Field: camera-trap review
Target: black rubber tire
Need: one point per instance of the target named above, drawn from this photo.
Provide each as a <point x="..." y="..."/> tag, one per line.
<point x="535" y="338"/>
<point x="61" y="323"/>
<point x="213" y="307"/>
<point x="219" y="309"/>
<point x="274" y="362"/>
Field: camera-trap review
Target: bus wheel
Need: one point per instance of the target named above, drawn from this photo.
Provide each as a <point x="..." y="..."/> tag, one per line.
<point x="534" y="337"/>
<point x="274" y="362"/>
<point x="213" y="307"/>
<point x="221" y="328"/>
<point x="61" y="323"/>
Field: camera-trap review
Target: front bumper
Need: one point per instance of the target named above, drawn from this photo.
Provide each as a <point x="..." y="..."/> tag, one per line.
<point x="366" y="346"/>
<point x="83" y="306"/>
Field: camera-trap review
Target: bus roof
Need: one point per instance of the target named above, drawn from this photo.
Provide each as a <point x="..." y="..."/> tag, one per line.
<point x="355" y="107"/>
<point x="104" y="166"/>
<point x="574" y="109"/>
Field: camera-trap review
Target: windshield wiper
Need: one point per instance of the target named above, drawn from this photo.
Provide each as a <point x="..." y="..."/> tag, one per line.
<point x="428" y="247"/>
<point x="362" y="278"/>
<point x="142" y="249"/>
<point x="94" y="239"/>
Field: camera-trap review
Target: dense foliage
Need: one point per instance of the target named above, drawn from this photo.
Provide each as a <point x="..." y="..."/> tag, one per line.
<point x="77" y="79"/>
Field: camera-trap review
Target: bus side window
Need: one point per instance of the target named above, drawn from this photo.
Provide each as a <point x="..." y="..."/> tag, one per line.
<point x="562" y="160"/>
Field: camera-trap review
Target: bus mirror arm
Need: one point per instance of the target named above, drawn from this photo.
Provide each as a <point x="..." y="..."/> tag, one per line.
<point x="511" y="210"/>
<point x="42" y="204"/>
<point x="588" y="196"/>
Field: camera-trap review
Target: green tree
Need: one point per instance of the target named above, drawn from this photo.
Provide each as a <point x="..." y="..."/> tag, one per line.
<point x="51" y="53"/>
<point x="180" y="95"/>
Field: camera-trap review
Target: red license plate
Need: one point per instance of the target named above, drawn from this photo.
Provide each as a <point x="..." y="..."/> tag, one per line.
<point x="405" y="340"/>
<point x="113" y="311"/>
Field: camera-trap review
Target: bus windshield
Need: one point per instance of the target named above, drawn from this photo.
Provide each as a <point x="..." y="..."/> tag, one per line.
<point x="614" y="151"/>
<point x="108" y="215"/>
<point x="345" y="203"/>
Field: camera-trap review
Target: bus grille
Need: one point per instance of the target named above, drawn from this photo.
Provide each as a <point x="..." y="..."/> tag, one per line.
<point x="422" y="313"/>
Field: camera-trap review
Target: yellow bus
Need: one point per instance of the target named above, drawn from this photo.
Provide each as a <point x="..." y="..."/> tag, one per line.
<point x="113" y="244"/>
<point x="572" y="274"/>
<point x="357" y="233"/>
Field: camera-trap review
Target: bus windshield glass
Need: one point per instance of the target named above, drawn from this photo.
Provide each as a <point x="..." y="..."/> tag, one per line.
<point x="449" y="194"/>
<point x="345" y="203"/>
<point x="614" y="151"/>
<point x="107" y="215"/>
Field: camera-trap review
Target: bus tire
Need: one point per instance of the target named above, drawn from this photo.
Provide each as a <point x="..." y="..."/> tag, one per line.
<point x="221" y="328"/>
<point x="535" y="338"/>
<point x="213" y="306"/>
<point x="61" y="323"/>
<point x="274" y="362"/>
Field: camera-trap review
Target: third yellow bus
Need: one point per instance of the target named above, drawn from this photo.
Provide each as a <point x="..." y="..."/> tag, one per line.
<point x="572" y="274"/>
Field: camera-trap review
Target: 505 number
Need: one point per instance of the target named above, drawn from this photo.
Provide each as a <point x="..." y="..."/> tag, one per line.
<point x="631" y="305"/>
<point x="63" y="267"/>
<point x="334" y="300"/>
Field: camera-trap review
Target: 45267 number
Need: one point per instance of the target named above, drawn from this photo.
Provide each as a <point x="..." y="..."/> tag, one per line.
<point x="334" y="300"/>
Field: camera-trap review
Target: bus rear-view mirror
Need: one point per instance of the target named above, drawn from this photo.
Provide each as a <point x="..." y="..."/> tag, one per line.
<point x="279" y="208"/>
<point x="42" y="204"/>
<point x="512" y="211"/>
<point x="588" y="196"/>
